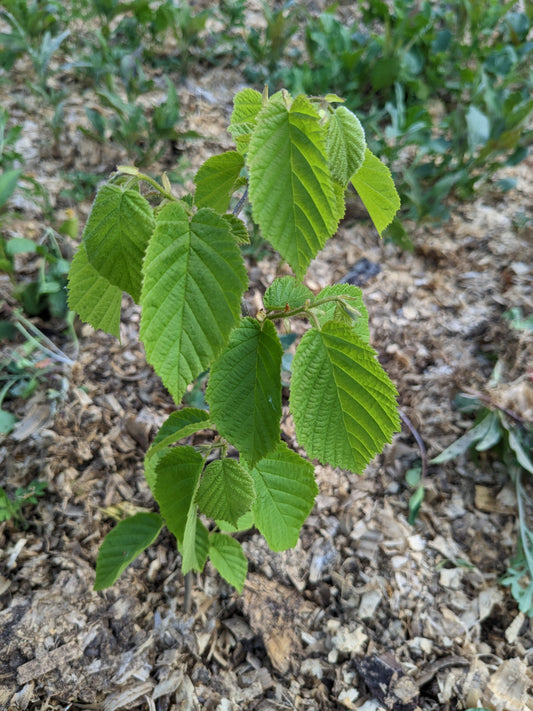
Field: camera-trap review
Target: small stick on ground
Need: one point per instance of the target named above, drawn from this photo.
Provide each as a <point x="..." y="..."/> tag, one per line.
<point x="418" y="439"/>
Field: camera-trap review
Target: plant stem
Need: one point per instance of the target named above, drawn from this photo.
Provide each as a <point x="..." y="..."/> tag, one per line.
<point x="187" y="598"/>
<point x="305" y="309"/>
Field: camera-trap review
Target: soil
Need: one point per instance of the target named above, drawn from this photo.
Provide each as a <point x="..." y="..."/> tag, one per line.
<point x="367" y="611"/>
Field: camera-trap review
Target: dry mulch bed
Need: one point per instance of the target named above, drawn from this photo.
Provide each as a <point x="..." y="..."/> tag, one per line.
<point x="367" y="612"/>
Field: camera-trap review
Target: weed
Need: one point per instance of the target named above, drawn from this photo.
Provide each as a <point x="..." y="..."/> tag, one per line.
<point x="507" y="434"/>
<point x="11" y="509"/>
<point x="145" y="137"/>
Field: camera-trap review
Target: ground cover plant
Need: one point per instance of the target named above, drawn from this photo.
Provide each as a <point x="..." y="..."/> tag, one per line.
<point x="180" y="259"/>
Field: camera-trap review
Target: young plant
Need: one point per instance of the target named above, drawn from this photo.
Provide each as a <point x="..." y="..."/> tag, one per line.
<point x="508" y="434"/>
<point x="180" y="260"/>
<point x="11" y="509"/>
<point x="144" y="137"/>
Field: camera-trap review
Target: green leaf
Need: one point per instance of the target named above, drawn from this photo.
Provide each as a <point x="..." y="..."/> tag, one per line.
<point x="123" y="544"/>
<point x="492" y="435"/>
<point x="521" y="454"/>
<point x="398" y="235"/>
<point x="228" y="558"/>
<point x="243" y="524"/>
<point x="375" y="186"/>
<point x="7" y="422"/>
<point x="237" y="228"/>
<point x="215" y="181"/>
<point x="294" y="200"/>
<point x="178" y="425"/>
<point x="478" y="128"/>
<point x="415" y="502"/>
<point x="116" y="234"/>
<point x="286" y="490"/>
<point x="20" y="245"/>
<point x="191" y="297"/>
<point x="8" y="183"/>
<point x="345" y="144"/>
<point x="342" y="401"/>
<point x="354" y="314"/>
<point x="461" y="445"/>
<point x="226" y="491"/>
<point x="195" y="544"/>
<point x="286" y="290"/>
<point x="177" y="476"/>
<point x="244" y="389"/>
<point x="246" y="105"/>
<point x="92" y="296"/>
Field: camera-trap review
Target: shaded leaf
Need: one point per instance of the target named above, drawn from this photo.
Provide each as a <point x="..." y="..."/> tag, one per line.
<point x="244" y="390"/>
<point x="226" y="491"/>
<point x="177" y="476"/>
<point x="117" y="232"/>
<point x="286" y="290"/>
<point x="92" y="296"/>
<point x="123" y="544"/>
<point x="215" y="181"/>
<point x="228" y="558"/>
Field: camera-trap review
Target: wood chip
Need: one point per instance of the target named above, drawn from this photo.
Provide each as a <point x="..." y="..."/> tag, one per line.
<point x="508" y="687"/>
<point x="47" y="662"/>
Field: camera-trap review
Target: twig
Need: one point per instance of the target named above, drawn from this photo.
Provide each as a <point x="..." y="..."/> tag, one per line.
<point x="418" y="439"/>
<point x="489" y="401"/>
<point x="240" y="204"/>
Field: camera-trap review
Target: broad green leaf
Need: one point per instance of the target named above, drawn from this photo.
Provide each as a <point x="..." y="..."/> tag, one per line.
<point x="226" y="491"/>
<point x="294" y="200"/>
<point x="177" y="476"/>
<point x="92" y="296"/>
<point x="123" y="544"/>
<point x="20" y="245"/>
<point x="286" y="290"/>
<point x="244" y="389"/>
<point x="246" y="105"/>
<point x="215" y="181"/>
<point x="191" y="297"/>
<point x="8" y="183"/>
<point x="342" y="401"/>
<point x="237" y="228"/>
<point x="180" y="424"/>
<point x="116" y="234"/>
<point x="228" y="558"/>
<point x="355" y="314"/>
<point x="346" y="144"/>
<point x="375" y="186"/>
<point x="285" y="493"/>
<point x="194" y="546"/>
